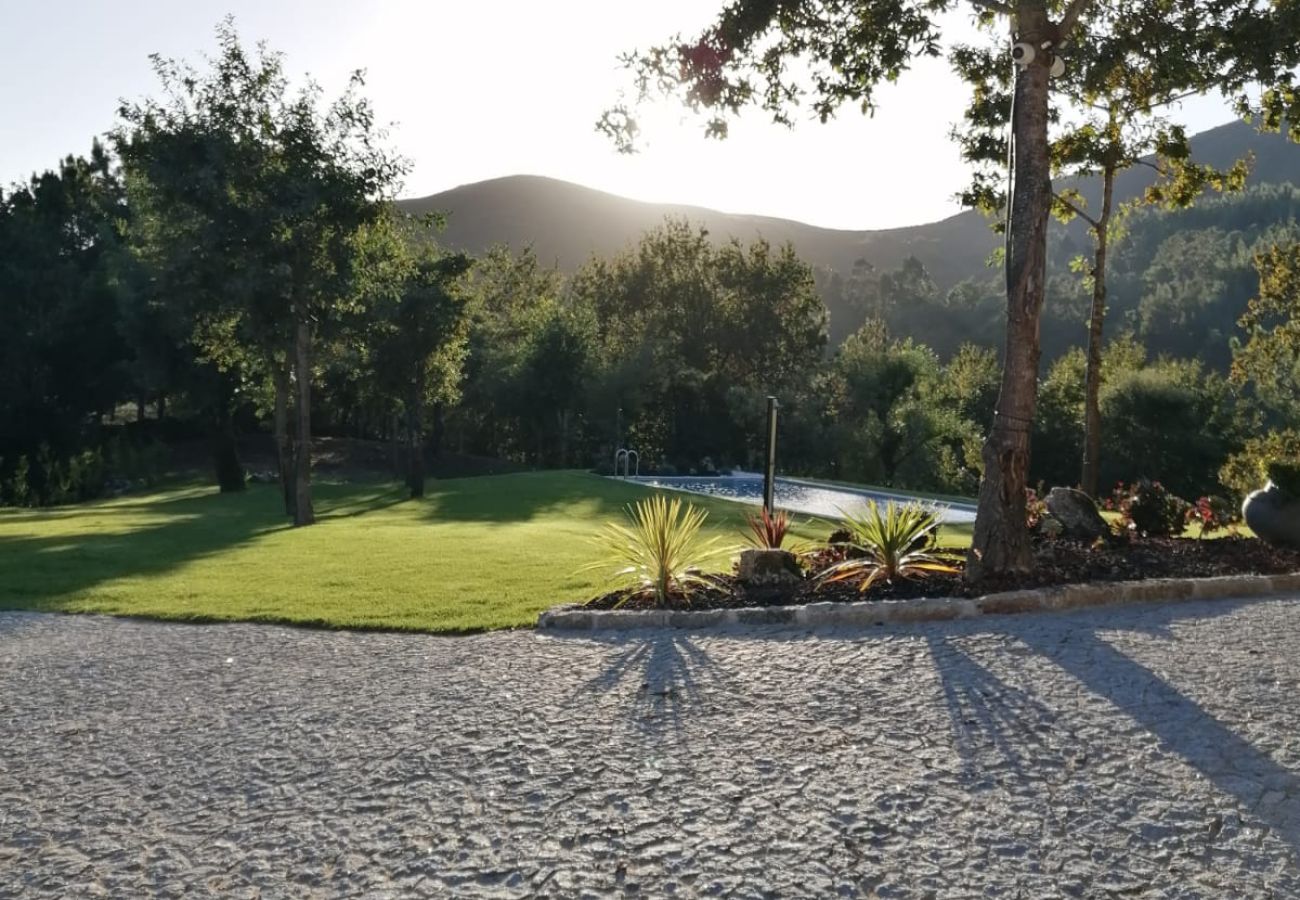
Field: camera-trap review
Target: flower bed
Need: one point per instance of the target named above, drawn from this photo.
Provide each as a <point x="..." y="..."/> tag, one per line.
<point x="1057" y="563"/>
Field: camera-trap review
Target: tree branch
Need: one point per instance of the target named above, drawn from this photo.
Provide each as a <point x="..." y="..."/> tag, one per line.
<point x="1151" y="165"/>
<point x="1076" y="210"/>
<point x="995" y="6"/>
<point x="1071" y="18"/>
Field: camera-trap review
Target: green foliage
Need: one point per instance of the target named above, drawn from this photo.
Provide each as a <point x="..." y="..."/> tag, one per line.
<point x="1150" y="509"/>
<point x="1214" y="513"/>
<point x="1270" y="357"/>
<point x="1166" y="419"/>
<point x="661" y="552"/>
<point x="1248" y="469"/>
<point x="894" y="542"/>
<point x="62" y="263"/>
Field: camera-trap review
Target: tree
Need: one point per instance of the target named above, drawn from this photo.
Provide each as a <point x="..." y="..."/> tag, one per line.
<point x="686" y="324"/>
<point x="1122" y="74"/>
<point x="63" y="362"/>
<point x="253" y="197"/>
<point x="420" y="325"/>
<point x="1269" y="360"/>
<point x="846" y="50"/>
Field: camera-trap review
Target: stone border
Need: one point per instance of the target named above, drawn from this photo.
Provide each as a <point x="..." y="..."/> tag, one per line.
<point x="926" y="609"/>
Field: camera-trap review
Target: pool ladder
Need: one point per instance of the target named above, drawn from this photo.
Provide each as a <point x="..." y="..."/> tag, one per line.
<point x="629" y="458"/>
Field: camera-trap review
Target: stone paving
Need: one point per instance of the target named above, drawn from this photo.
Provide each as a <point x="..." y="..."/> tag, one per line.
<point x="1148" y="751"/>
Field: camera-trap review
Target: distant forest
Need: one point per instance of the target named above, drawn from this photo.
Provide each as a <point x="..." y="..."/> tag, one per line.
<point x="232" y="263"/>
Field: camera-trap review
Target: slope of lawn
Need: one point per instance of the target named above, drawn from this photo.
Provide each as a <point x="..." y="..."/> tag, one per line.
<point x="476" y="553"/>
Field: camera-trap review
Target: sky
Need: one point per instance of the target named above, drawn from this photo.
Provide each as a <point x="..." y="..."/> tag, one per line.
<point x="479" y="89"/>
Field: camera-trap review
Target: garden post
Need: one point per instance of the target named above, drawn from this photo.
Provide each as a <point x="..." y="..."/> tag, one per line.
<point x="769" y="468"/>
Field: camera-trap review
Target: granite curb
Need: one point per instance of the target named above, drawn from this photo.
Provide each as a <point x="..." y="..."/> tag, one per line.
<point x="926" y="609"/>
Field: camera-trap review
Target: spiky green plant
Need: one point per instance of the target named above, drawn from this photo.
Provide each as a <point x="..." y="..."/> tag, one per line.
<point x="894" y="541"/>
<point x="660" y="552"/>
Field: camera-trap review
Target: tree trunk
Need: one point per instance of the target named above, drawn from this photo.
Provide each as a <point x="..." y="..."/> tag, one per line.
<point x="139" y="408"/>
<point x="415" y="446"/>
<point x="225" y="449"/>
<point x="162" y="406"/>
<point x="395" y="445"/>
<point x="438" y="431"/>
<point x="1092" y="391"/>
<point x="283" y="440"/>
<point x="303" y="514"/>
<point x="562" y="422"/>
<point x="1001" y="542"/>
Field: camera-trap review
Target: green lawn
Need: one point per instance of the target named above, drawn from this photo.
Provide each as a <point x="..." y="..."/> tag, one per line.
<point x="476" y="553"/>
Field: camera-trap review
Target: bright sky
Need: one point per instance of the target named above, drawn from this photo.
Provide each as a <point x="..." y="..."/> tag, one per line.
<point x="478" y="89"/>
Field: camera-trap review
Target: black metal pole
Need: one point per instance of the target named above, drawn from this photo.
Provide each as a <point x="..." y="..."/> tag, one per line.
<point x="769" y="470"/>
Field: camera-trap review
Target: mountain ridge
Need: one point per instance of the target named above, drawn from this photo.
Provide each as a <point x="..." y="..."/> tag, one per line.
<point x="567" y="223"/>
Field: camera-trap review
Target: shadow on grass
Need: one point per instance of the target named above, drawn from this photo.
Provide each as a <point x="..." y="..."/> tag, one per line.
<point x="528" y="495"/>
<point x="48" y="569"/>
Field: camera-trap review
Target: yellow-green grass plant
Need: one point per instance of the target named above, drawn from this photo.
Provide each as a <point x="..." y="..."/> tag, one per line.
<point x="896" y="541"/>
<point x="661" y="552"/>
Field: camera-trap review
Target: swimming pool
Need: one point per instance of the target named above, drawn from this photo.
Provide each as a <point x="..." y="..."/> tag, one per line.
<point x="799" y="495"/>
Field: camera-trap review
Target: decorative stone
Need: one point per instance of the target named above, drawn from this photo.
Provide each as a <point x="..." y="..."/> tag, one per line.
<point x="1077" y="514"/>
<point x="765" y="567"/>
<point x="1274" y="516"/>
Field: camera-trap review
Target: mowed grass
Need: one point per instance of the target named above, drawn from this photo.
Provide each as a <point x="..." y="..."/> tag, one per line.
<point x="476" y="553"/>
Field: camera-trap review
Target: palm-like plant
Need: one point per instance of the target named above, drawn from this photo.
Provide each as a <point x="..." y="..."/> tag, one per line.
<point x="768" y="530"/>
<point x="660" y="551"/>
<point x="895" y="543"/>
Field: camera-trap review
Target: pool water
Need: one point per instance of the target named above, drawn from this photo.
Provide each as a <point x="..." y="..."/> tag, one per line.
<point x="799" y="495"/>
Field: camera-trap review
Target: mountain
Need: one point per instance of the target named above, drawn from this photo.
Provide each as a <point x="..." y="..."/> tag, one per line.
<point x="567" y="223"/>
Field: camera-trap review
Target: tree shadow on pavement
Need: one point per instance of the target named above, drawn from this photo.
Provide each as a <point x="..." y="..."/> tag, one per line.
<point x="987" y="712"/>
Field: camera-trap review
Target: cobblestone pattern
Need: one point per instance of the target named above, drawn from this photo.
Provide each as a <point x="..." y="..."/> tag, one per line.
<point x="1143" y="751"/>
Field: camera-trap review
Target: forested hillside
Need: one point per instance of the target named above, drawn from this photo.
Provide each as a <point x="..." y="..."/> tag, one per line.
<point x="285" y="295"/>
<point x="565" y="224"/>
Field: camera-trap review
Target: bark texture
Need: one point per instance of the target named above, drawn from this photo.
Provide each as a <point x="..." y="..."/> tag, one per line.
<point x="415" y="441"/>
<point x="283" y="440"/>
<point x="303" y="514"/>
<point x="1091" y="475"/>
<point x="225" y="449"/>
<point x="1001" y="541"/>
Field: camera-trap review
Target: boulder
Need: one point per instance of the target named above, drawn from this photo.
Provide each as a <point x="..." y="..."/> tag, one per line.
<point x="1274" y="516"/>
<point x="766" y="567"/>
<point x="1076" y="513"/>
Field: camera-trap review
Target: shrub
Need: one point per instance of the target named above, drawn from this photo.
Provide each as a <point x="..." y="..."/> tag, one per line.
<point x="1248" y="470"/>
<point x="1214" y="514"/>
<point x="1148" y="508"/>
<point x="1286" y="475"/>
<point x="660" y="552"/>
<point x="894" y="542"/>
<point x="19" y="489"/>
<point x="768" y="529"/>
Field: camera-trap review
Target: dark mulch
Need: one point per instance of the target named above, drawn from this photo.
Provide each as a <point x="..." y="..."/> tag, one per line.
<point x="1057" y="562"/>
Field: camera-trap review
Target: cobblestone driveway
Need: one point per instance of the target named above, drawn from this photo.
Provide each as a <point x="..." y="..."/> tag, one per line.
<point x="1140" y="752"/>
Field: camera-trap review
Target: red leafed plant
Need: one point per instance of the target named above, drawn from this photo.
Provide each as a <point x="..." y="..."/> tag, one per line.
<point x="768" y="530"/>
<point x="1213" y="514"/>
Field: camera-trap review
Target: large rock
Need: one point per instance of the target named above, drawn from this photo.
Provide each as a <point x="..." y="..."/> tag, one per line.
<point x="1274" y="516"/>
<point x="767" y="567"/>
<point x="1077" y="514"/>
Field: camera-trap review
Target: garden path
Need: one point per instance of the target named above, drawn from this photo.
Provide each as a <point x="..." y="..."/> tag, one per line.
<point x="1148" y="751"/>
